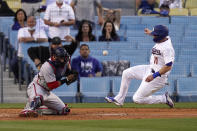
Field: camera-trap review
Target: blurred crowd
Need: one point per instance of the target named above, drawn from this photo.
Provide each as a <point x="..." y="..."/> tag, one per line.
<point x="55" y="20"/>
<point x="53" y="23"/>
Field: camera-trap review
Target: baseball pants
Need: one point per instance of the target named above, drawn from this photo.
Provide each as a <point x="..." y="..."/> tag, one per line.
<point x="50" y="100"/>
<point x="144" y="93"/>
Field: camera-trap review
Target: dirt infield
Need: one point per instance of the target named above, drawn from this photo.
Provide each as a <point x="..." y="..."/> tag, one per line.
<point x="106" y="113"/>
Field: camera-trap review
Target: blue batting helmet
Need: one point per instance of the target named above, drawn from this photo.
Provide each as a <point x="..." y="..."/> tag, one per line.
<point x="160" y="31"/>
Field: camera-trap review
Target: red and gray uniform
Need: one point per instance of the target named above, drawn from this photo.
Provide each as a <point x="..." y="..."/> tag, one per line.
<point x="42" y="85"/>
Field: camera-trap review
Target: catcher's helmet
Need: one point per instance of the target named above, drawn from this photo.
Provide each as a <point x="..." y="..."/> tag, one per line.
<point x="160" y="31"/>
<point x="61" y="53"/>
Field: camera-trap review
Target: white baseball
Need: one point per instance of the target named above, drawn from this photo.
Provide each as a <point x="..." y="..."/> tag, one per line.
<point x="105" y="52"/>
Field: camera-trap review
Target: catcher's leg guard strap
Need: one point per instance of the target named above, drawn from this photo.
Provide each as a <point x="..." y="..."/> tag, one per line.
<point x="37" y="102"/>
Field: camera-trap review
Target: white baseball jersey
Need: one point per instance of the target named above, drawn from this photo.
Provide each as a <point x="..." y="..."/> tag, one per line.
<point x="162" y="53"/>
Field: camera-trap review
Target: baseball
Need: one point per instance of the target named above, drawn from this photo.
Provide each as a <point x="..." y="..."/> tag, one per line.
<point x="105" y="52"/>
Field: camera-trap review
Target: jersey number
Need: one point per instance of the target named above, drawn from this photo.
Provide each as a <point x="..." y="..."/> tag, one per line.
<point x="156" y="60"/>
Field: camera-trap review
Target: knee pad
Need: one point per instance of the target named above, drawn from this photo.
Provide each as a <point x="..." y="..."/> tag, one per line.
<point x="36" y="102"/>
<point x="65" y="110"/>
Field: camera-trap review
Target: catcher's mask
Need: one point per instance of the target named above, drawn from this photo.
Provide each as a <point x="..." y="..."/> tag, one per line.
<point x="159" y="32"/>
<point x="61" y="57"/>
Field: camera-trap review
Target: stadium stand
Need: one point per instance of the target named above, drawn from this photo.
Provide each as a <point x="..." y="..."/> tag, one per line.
<point x="190" y="4"/>
<point x="14" y="4"/>
<point x="194" y="69"/>
<point x="179" y="12"/>
<point x="67" y="93"/>
<point x="187" y="89"/>
<point x="193" y="12"/>
<point x="94" y="89"/>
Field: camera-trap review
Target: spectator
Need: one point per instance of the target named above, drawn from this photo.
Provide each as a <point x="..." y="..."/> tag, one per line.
<point x="40" y="21"/>
<point x="59" y="16"/>
<point x="86" y="65"/>
<point x="164" y="10"/>
<point x="172" y="3"/>
<point x="30" y="6"/>
<point x="40" y="54"/>
<point x="20" y="19"/>
<point x="85" y="10"/>
<point x="109" y="32"/>
<point x="85" y="32"/>
<point x="147" y="6"/>
<point x="48" y="2"/>
<point x="27" y="34"/>
<point x="113" y="15"/>
<point x="5" y="10"/>
<point x="30" y="33"/>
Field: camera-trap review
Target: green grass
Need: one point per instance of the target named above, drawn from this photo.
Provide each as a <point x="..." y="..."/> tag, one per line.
<point x="102" y="125"/>
<point x="107" y="105"/>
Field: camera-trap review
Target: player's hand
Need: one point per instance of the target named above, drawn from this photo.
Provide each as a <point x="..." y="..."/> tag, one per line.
<point x="70" y="77"/>
<point x="147" y="31"/>
<point x="149" y="78"/>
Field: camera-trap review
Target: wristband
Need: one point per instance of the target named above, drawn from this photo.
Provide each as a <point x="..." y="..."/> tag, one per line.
<point x="156" y="74"/>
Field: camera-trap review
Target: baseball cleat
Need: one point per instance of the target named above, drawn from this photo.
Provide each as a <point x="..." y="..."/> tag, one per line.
<point x="169" y="101"/>
<point x="112" y="100"/>
<point x="28" y="113"/>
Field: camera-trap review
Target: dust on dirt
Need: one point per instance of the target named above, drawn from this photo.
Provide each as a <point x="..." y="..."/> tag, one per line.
<point x="105" y="114"/>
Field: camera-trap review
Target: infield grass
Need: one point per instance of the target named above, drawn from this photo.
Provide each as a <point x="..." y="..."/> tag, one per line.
<point x="102" y="125"/>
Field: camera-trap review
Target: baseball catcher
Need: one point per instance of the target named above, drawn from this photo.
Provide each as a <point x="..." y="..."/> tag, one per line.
<point x="53" y="73"/>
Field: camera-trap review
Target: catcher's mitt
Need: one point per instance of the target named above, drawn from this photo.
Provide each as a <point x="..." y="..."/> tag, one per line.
<point x="71" y="76"/>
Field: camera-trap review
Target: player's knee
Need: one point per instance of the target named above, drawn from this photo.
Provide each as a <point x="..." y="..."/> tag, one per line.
<point x="137" y="99"/>
<point x="125" y="73"/>
<point x="128" y="73"/>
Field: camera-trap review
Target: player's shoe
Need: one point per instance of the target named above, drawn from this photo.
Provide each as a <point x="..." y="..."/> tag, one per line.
<point x="66" y="110"/>
<point x="28" y="113"/>
<point x="112" y="100"/>
<point x="169" y="101"/>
